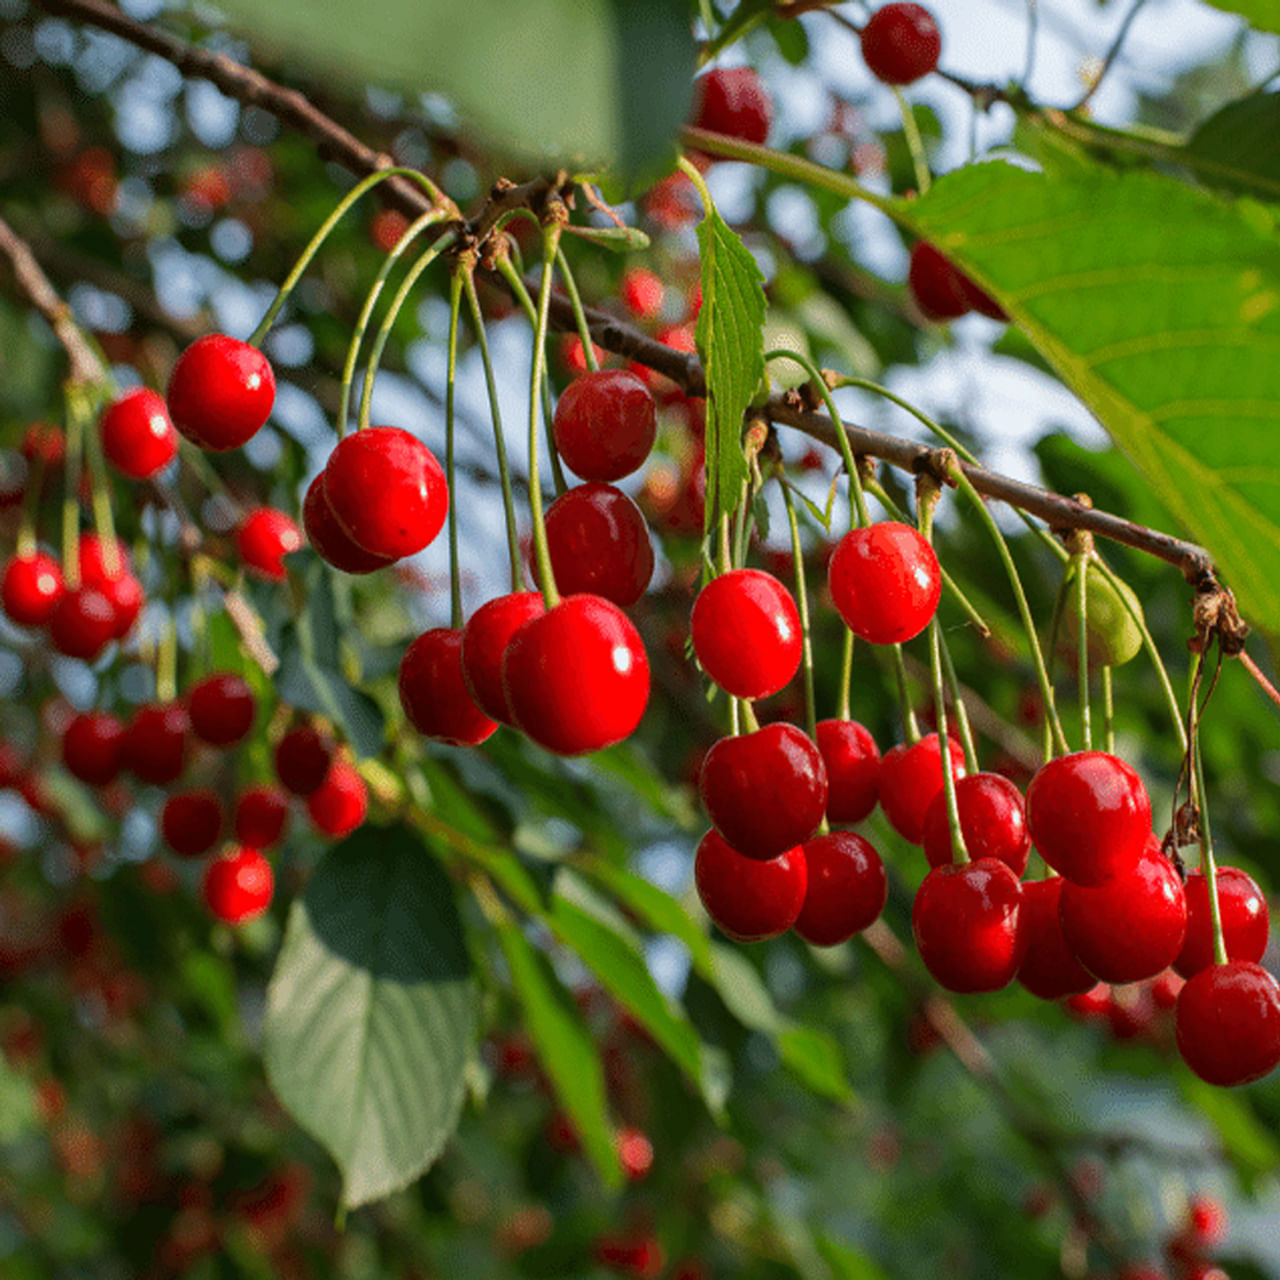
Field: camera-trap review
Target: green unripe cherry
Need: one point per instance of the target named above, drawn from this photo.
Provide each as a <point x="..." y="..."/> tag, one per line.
<point x="1114" y="636"/>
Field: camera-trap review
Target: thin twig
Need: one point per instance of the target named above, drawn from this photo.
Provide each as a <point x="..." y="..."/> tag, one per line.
<point x="1112" y="54"/>
<point x="1253" y="669"/>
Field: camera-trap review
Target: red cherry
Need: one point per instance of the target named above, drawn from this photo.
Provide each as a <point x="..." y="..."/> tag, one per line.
<point x="765" y="792"/>
<point x="264" y="538"/>
<point x="341" y="802"/>
<point x="329" y="538"/>
<point x="220" y="392"/>
<point x="965" y="921"/>
<point x="114" y="578"/>
<point x="911" y="778"/>
<point x="635" y="1153"/>
<point x="302" y="760"/>
<point x="434" y="693"/>
<point x="1227" y="1023"/>
<point x="1089" y="816"/>
<point x="1130" y="928"/>
<point x="82" y="624"/>
<point x="599" y="543"/>
<point x="901" y="43"/>
<point x="222" y="707"/>
<point x="746" y="633"/>
<point x="1089" y="1005"/>
<point x="577" y="677"/>
<point x="993" y="820"/>
<point x="639" y="1256"/>
<point x="387" y="491"/>
<point x="1246" y="920"/>
<point x="935" y="284"/>
<point x="45" y="442"/>
<point x="155" y="743"/>
<point x="732" y="100"/>
<point x="605" y="423"/>
<point x="853" y="769"/>
<point x="137" y="437"/>
<point x="748" y="899"/>
<point x="191" y="822"/>
<point x="980" y="300"/>
<point x="261" y="813"/>
<point x="847" y="888"/>
<point x="1206" y="1221"/>
<point x="484" y="644"/>
<point x="885" y="582"/>
<point x="91" y="748"/>
<point x="1165" y="989"/>
<point x="238" y="886"/>
<point x="642" y="295"/>
<point x="31" y="588"/>
<point x="1049" y="967"/>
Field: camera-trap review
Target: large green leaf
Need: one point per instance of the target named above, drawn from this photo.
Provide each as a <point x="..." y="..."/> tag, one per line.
<point x="575" y="82"/>
<point x="1263" y="14"/>
<point x="1159" y="305"/>
<point x="371" y="1012"/>
<point x="1236" y="147"/>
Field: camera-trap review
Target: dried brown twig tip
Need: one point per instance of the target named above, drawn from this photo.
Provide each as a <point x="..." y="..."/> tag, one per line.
<point x="1215" y="614"/>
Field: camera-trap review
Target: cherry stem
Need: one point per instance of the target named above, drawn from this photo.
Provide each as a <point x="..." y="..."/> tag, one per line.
<point x="802" y="601"/>
<point x="1108" y="710"/>
<point x="579" y="315"/>
<point x="961" y="711"/>
<point x="1208" y="861"/>
<point x="1082" y="650"/>
<point x="167" y="660"/>
<point x="455" y="574"/>
<point x="71" y="498"/>
<point x="915" y="144"/>
<point x="726" y="556"/>
<point x="910" y="729"/>
<point x="749" y="715"/>
<point x="735" y="717"/>
<point x="100" y="490"/>
<point x="366" y="312"/>
<point x="541" y="551"/>
<point x="322" y="234"/>
<point x="846" y="675"/>
<point x="959" y="851"/>
<point x="499" y="436"/>
<point x="424" y="260"/>
<point x="1260" y="678"/>
<point x="27" y="543"/>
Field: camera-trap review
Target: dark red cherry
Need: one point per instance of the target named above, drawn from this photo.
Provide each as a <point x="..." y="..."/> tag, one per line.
<point x="885" y="582"/>
<point x="31" y="589"/>
<point x="155" y="743"/>
<point x="329" y="538"/>
<point x="965" y="921"/>
<point x="911" y="778"/>
<point x="993" y="820"/>
<point x="1089" y="816"/>
<point x="1228" y="1023"/>
<point x="853" y="769"/>
<point x="191" y="822"/>
<point x="980" y="300"/>
<point x="220" y="392"/>
<point x="82" y="623"/>
<point x="1246" y="920"/>
<point x="599" y="543"/>
<point x="222" y="707"/>
<point x="91" y="748"/>
<point x="765" y="792"/>
<point x="238" y="886"/>
<point x="901" y="43"/>
<point x="264" y="538"/>
<point x="434" y="694"/>
<point x="733" y="101"/>
<point x="936" y="285"/>
<point x="341" y="802"/>
<point x="302" y="760"/>
<point x="577" y="676"/>
<point x="748" y="899"/>
<point x="1049" y="967"/>
<point x="137" y="437"/>
<point x="387" y="491"/>
<point x="484" y="644"/>
<point x="846" y="891"/>
<point x="604" y="424"/>
<point x="746" y="633"/>
<point x="261" y="814"/>
<point x="1131" y="927"/>
<point x="113" y="576"/>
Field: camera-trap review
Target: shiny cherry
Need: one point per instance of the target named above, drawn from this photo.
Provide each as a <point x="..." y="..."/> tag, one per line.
<point x="911" y="778"/>
<point x="222" y="707"/>
<point x="748" y="899"/>
<point x="484" y="643"/>
<point x="92" y="747"/>
<point x="746" y="633"/>
<point x="260" y="816"/>
<point x="885" y="582"/>
<point x="901" y="43"/>
<point x="1049" y="967"/>
<point x="733" y="101"/>
<point x="599" y="543"/>
<point x="1227" y="1023"/>
<point x="577" y="676"/>
<point x="329" y="538"/>
<point x="604" y="424"/>
<point x="302" y="760"/>
<point x="31" y="588"/>
<point x="965" y="921"/>
<point x="155" y="743"/>
<point x="238" y="886"/>
<point x="264" y="538"/>
<point x="220" y="392"/>
<point x="847" y="888"/>
<point x="993" y="820"/>
<point x="82" y="623"/>
<point x="434" y="694"/>
<point x="191" y="822"/>
<point x="386" y="490"/>
<point x="113" y="576"/>
<point x="341" y="802"/>
<point x="853" y="769"/>
<point x="1089" y="816"/>
<point x="1246" y="920"/>
<point x="137" y="437"/>
<point x="765" y="792"/>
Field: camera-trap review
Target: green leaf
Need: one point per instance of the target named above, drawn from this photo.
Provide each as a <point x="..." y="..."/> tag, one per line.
<point x="1159" y="305"/>
<point x="1248" y="1141"/>
<point x="305" y="684"/>
<point x="846" y="1262"/>
<point x="1263" y="14"/>
<point x="579" y="83"/>
<point x="617" y="239"/>
<point x="17" y="1104"/>
<point x="730" y="342"/>
<point x="1236" y="147"/>
<point x="371" y="1012"/>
